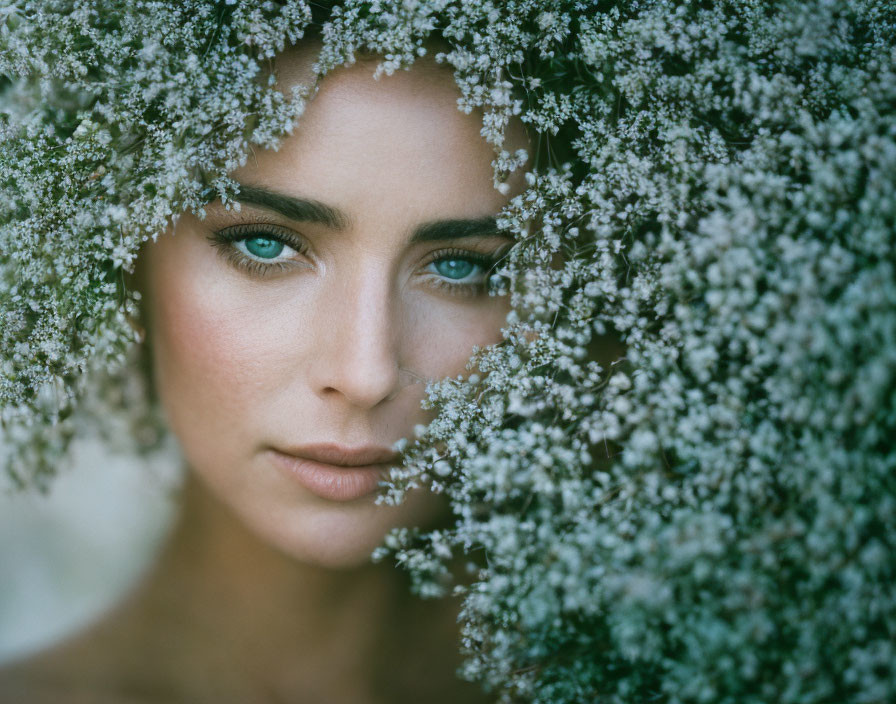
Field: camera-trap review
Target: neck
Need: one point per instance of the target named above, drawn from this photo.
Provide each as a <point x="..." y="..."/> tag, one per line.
<point x="243" y="608"/>
<point x="226" y="618"/>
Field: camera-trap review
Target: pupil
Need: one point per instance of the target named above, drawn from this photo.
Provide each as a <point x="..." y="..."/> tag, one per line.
<point x="264" y="247"/>
<point x="455" y="268"/>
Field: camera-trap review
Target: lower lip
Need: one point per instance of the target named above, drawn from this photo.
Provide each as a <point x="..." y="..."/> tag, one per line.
<point x="330" y="481"/>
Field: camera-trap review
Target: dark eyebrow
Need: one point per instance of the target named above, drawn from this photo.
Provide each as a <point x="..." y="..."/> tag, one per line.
<point x="292" y="207"/>
<point x="455" y="229"/>
<point x="308" y="210"/>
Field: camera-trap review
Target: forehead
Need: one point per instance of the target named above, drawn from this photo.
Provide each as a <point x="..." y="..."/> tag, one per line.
<point x="365" y="142"/>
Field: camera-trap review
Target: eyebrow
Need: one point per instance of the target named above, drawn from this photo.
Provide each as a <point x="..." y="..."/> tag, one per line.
<point x="298" y="209"/>
<point x="312" y="211"/>
<point x="455" y="230"/>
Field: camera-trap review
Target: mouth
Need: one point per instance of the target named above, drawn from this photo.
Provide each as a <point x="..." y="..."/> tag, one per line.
<point x="333" y="472"/>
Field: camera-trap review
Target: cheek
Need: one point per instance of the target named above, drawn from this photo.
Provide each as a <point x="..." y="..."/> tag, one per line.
<point x="209" y="359"/>
<point x="442" y="334"/>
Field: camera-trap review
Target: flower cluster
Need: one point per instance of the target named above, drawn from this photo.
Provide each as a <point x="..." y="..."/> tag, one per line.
<point x="675" y="478"/>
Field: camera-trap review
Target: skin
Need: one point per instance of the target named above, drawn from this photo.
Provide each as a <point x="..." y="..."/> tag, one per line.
<point x="335" y="347"/>
<point x="265" y="591"/>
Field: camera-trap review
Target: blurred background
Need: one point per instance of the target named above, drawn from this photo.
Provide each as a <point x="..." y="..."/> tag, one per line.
<point x="68" y="556"/>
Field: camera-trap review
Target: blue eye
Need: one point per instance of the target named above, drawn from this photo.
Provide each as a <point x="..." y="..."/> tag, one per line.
<point x="260" y="249"/>
<point x="263" y="247"/>
<point x="455" y="268"/>
<point x="462" y="272"/>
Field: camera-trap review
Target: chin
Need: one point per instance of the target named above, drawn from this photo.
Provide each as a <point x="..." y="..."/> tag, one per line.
<point x="342" y="536"/>
<point x="335" y="556"/>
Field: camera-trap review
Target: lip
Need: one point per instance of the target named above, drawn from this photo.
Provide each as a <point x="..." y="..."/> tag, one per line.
<point x="334" y="472"/>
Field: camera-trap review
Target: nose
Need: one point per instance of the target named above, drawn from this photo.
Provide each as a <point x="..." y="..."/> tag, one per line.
<point x="357" y="354"/>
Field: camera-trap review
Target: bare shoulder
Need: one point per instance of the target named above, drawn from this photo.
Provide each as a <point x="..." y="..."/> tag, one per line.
<point x="88" y="668"/>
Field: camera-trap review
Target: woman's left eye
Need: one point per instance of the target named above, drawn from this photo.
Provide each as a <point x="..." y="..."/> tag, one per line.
<point x="456" y="268"/>
<point x="462" y="272"/>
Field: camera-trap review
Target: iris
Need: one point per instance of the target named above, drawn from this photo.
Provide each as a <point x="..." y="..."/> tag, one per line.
<point x="264" y="247"/>
<point x="455" y="268"/>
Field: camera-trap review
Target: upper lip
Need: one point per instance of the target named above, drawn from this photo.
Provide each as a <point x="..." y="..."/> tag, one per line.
<point x="341" y="456"/>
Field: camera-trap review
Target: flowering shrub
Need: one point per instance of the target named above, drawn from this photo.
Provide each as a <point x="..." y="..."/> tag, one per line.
<point x="675" y="480"/>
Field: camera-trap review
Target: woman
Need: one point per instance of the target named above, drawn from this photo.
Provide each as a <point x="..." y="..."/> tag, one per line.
<point x="291" y="339"/>
<point x="710" y="184"/>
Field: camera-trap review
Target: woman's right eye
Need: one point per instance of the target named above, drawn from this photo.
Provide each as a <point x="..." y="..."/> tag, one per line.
<point x="261" y="247"/>
<point x="260" y="250"/>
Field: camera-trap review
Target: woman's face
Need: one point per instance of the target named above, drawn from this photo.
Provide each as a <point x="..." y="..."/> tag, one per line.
<point x="292" y="340"/>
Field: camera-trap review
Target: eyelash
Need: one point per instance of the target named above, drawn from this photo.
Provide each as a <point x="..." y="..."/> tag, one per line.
<point x="225" y="239"/>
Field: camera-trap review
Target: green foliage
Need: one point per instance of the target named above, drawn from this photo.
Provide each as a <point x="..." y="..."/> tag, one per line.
<point x="706" y="516"/>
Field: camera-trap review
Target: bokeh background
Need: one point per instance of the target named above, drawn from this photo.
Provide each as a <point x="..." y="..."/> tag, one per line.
<point x="69" y="555"/>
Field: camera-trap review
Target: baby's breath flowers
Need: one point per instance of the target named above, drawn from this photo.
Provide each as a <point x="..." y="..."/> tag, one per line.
<point x="675" y="479"/>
